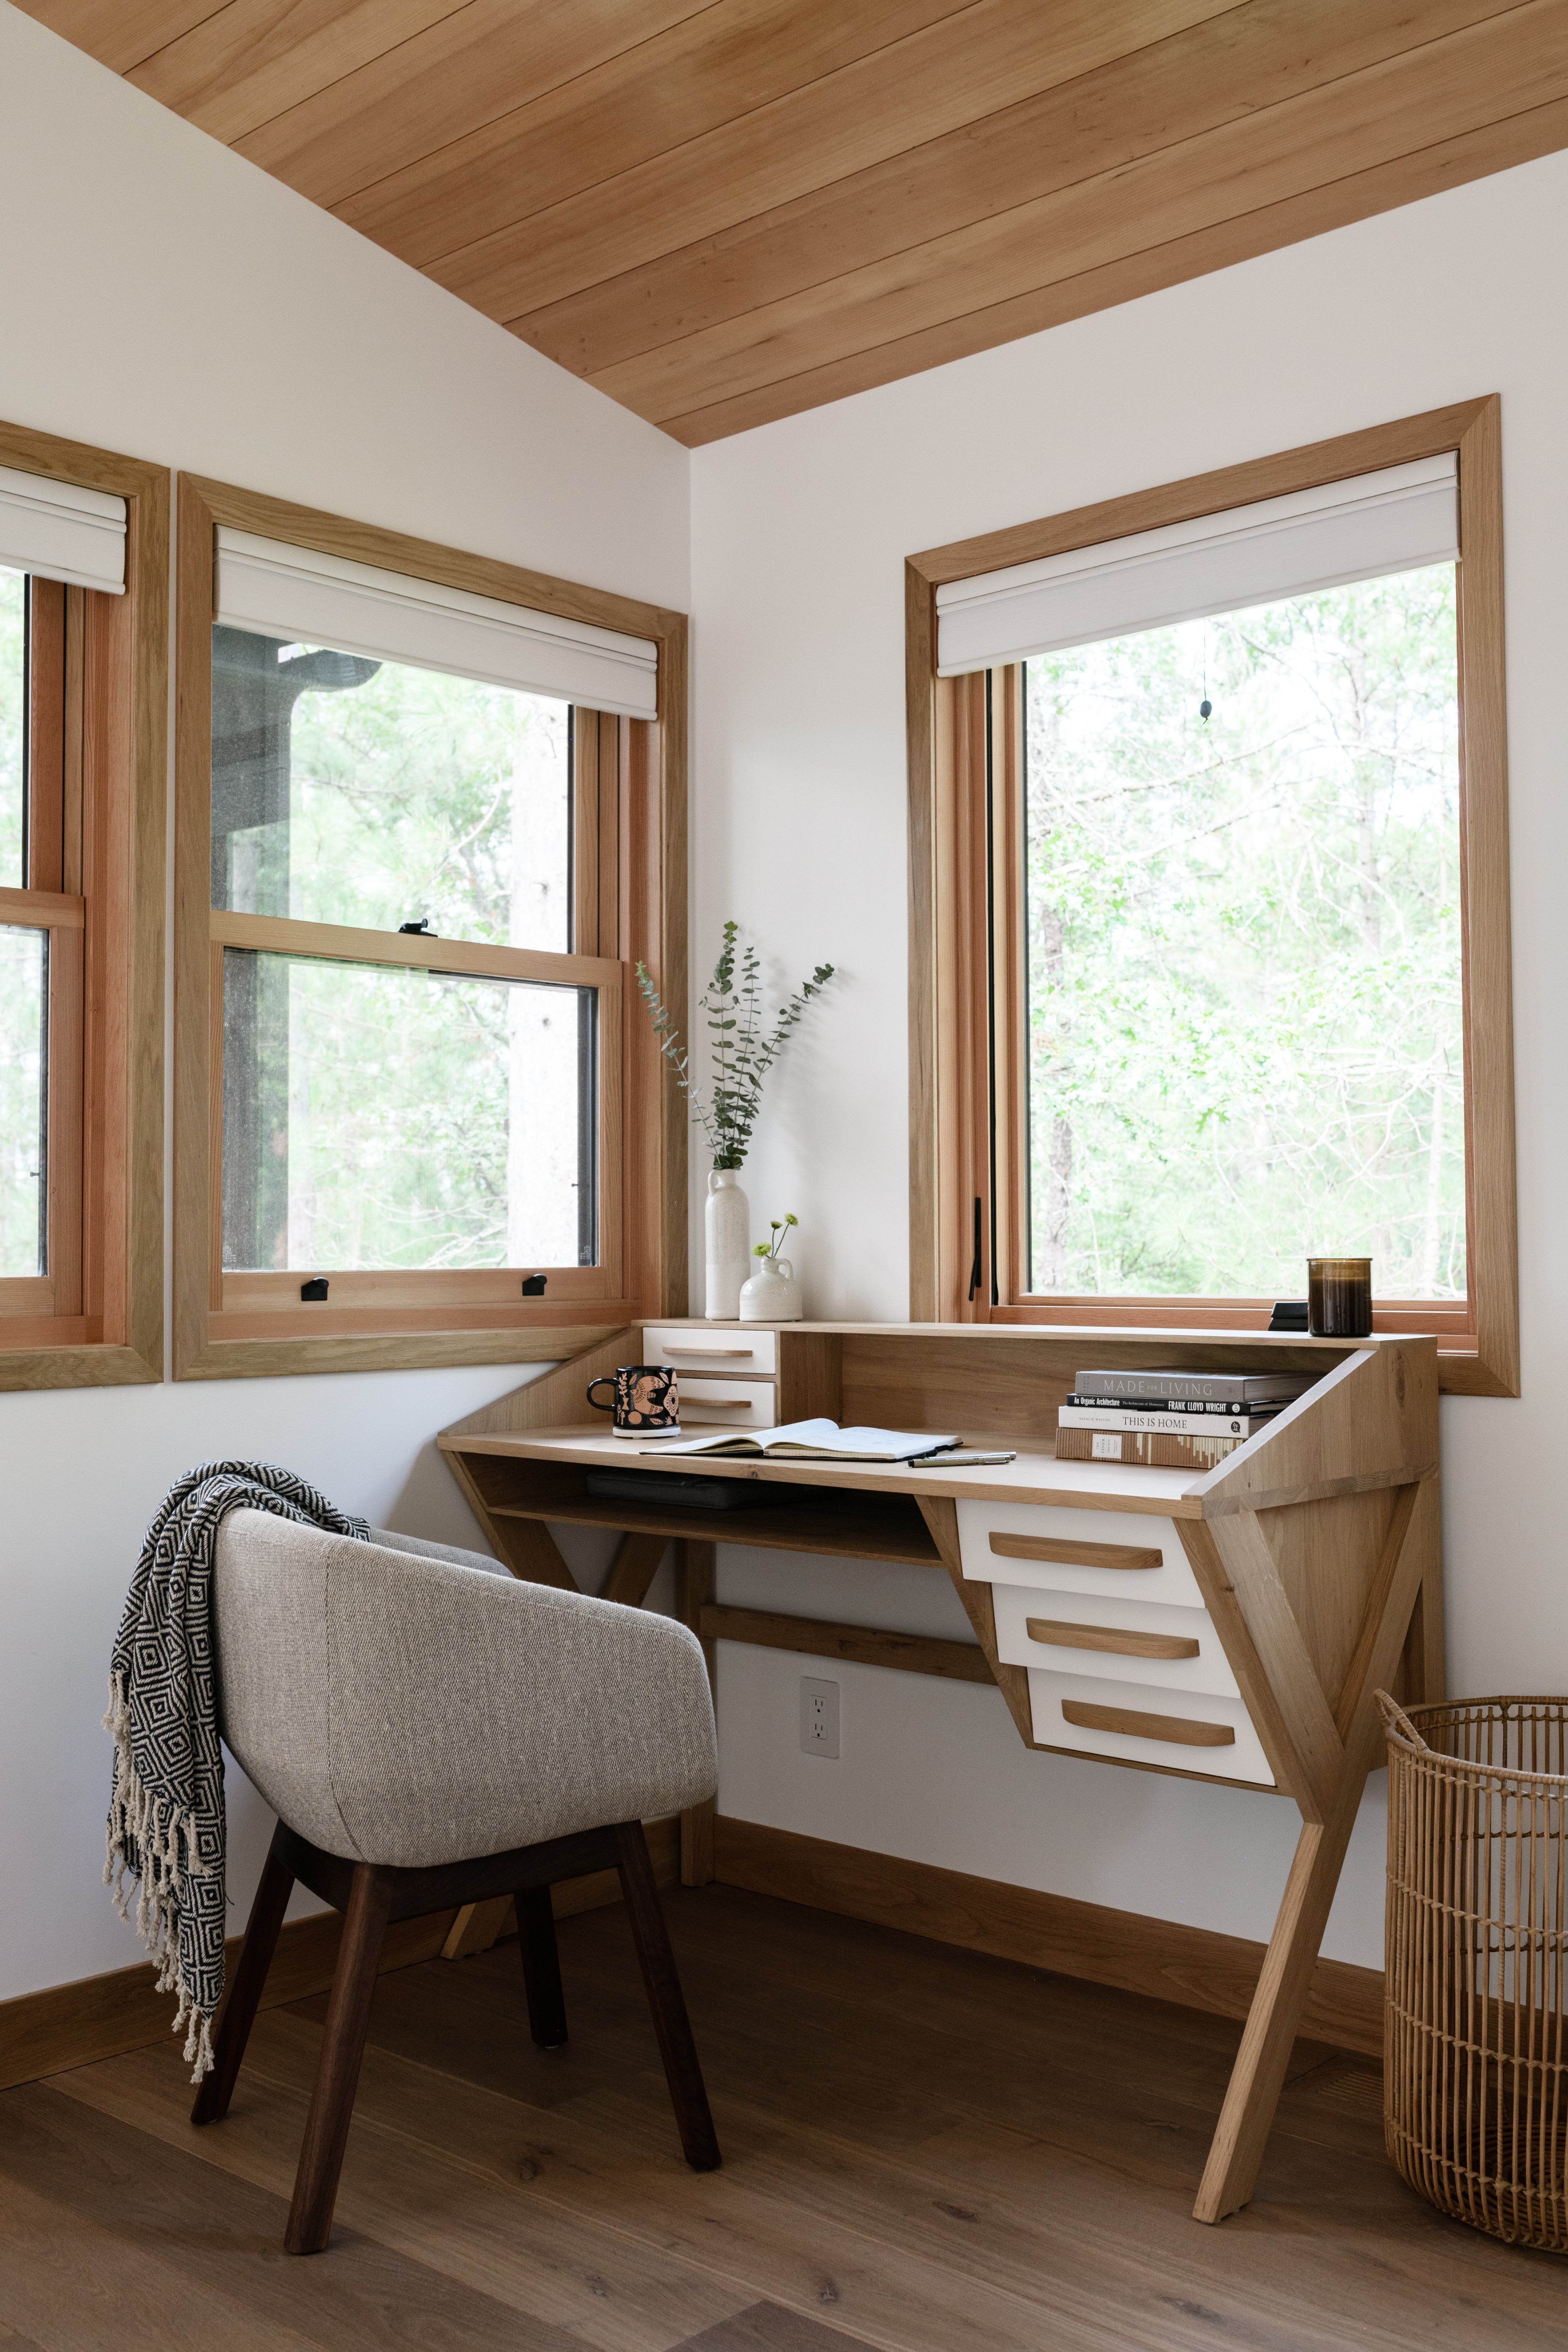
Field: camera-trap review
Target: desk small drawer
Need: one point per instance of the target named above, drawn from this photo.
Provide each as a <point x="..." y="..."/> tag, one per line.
<point x="1125" y="1555"/>
<point x="1147" y="1723"/>
<point x="732" y="1350"/>
<point x="734" y="1404"/>
<point x="1121" y="1641"/>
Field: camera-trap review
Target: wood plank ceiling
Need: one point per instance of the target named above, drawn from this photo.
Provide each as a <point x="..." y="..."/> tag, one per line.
<point x="723" y="213"/>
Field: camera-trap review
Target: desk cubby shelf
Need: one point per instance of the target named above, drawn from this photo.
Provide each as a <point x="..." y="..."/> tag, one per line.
<point x="1231" y="1625"/>
<point x="841" y="1522"/>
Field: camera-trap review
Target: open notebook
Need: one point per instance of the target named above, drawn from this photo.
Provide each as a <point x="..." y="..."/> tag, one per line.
<point x="816" y="1441"/>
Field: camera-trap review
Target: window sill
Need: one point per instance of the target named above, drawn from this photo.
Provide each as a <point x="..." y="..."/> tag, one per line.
<point x="82" y="1363"/>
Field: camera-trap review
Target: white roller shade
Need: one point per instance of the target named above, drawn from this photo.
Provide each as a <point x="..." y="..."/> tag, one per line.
<point x="277" y="590"/>
<point x="1396" y="520"/>
<point x="62" y="533"/>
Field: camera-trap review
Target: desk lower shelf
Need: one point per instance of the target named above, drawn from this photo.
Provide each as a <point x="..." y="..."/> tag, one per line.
<point x="835" y="1520"/>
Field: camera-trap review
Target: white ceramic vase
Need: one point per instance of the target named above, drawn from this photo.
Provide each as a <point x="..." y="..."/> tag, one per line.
<point x="727" y="1219"/>
<point x="770" y="1295"/>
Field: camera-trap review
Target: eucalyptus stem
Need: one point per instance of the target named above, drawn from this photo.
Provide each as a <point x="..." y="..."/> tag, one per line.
<point x="740" y="1049"/>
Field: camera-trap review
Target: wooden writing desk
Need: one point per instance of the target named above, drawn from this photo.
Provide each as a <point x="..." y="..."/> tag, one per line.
<point x="1231" y="1625"/>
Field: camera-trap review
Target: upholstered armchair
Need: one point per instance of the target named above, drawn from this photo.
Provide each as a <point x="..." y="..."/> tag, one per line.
<point x="431" y="1732"/>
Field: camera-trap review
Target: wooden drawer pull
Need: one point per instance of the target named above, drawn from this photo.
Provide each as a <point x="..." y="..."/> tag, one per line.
<point x="1062" y="1634"/>
<point x="1075" y="1555"/>
<point x="716" y="1404"/>
<point x="1179" y="1728"/>
<point x="747" y="1352"/>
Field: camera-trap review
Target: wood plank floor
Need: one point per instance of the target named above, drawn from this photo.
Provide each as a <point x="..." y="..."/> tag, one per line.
<point x="925" y="2149"/>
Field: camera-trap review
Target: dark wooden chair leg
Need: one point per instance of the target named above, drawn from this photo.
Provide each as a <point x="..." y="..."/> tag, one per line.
<point x="541" y="1967"/>
<point x="239" y="2010"/>
<point x="682" y="2070"/>
<point x="337" y="2071"/>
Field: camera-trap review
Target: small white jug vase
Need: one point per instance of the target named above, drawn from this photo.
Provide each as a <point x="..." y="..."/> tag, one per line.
<point x="727" y="1217"/>
<point x="770" y="1296"/>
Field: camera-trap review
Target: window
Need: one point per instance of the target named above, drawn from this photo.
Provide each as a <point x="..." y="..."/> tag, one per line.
<point x="1215" y="918"/>
<point x="83" y="557"/>
<point x="428" y="1132"/>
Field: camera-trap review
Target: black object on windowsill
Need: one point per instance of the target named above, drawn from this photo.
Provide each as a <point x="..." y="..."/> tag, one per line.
<point x="421" y="929"/>
<point x="1289" y="1315"/>
<point x="533" y="1286"/>
<point x="315" y="1288"/>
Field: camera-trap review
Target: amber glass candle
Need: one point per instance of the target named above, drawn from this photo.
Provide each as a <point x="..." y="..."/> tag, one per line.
<point x="1339" y="1298"/>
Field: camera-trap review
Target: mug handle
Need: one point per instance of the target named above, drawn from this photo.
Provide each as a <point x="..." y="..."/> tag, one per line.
<point x="604" y="1381"/>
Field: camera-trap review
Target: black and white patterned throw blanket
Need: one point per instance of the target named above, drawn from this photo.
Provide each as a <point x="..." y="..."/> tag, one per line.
<point x="165" y="1809"/>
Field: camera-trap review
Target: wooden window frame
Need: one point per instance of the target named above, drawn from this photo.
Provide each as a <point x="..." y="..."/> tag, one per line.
<point x="97" y="753"/>
<point x="629" y="890"/>
<point x="962" y="1027"/>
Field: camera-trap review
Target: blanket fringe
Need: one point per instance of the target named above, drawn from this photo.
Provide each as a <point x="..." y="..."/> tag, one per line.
<point x="147" y="1841"/>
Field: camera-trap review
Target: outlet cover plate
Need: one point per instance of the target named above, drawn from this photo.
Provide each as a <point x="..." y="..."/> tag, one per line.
<point x="819" y="1717"/>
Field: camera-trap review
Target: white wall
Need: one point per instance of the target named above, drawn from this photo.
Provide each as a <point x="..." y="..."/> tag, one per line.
<point x="161" y="296"/>
<point x="798" y="534"/>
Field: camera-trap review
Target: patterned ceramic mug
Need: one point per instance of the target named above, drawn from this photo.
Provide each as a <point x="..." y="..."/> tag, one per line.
<point x="646" y="1403"/>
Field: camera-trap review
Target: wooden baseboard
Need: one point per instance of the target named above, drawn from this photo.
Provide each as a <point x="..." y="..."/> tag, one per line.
<point x="97" y="2017"/>
<point x="1156" y="1956"/>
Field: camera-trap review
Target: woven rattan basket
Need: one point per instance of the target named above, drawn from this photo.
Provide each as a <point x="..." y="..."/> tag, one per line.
<point x="1475" y="2048"/>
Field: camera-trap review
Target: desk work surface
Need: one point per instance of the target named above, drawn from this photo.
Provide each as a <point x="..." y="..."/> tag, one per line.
<point x="1036" y="1477"/>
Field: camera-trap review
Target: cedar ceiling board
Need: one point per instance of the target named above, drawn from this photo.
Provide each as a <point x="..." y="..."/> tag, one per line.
<point x="1249" y="57"/>
<point x="736" y="59"/>
<point x="1442" y="90"/>
<point x="247" y="62"/>
<point x="1495" y="147"/>
<point x="488" y="61"/>
<point x="118" y="32"/>
<point x="859" y="114"/>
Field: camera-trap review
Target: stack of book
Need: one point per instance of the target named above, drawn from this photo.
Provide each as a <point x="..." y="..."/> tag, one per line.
<point x="1170" y="1421"/>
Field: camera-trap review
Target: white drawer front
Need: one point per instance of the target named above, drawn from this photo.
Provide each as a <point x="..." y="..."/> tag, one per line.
<point x="1111" y="1620"/>
<point x="736" y="1350"/>
<point x="1089" y="1538"/>
<point x="735" y="1405"/>
<point x="1239" y="1759"/>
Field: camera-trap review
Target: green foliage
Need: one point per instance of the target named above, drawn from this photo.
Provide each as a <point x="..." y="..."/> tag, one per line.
<point x="420" y="1120"/>
<point x="770" y="1249"/>
<point x="740" y="1049"/>
<point x="1245" y="1023"/>
<point x="402" y="797"/>
<point x="21" y="967"/>
<point x="392" y="1096"/>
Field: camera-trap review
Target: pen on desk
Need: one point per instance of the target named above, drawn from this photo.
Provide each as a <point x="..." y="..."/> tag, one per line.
<point x="959" y="1457"/>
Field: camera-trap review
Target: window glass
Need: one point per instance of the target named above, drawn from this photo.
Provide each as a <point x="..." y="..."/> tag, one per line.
<point x="377" y="1116"/>
<point x="1243" y="955"/>
<point x="350" y="791"/>
<point x="13" y="725"/>
<point x="23" y="965"/>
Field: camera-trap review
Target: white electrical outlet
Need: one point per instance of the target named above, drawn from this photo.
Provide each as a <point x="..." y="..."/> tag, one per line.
<point x="819" y="1717"/>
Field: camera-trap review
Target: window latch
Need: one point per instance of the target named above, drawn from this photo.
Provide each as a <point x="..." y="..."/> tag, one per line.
<point x="421" y="929"/>
<point x="533" y="1286"/>
<point x="315" y="1288"/>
